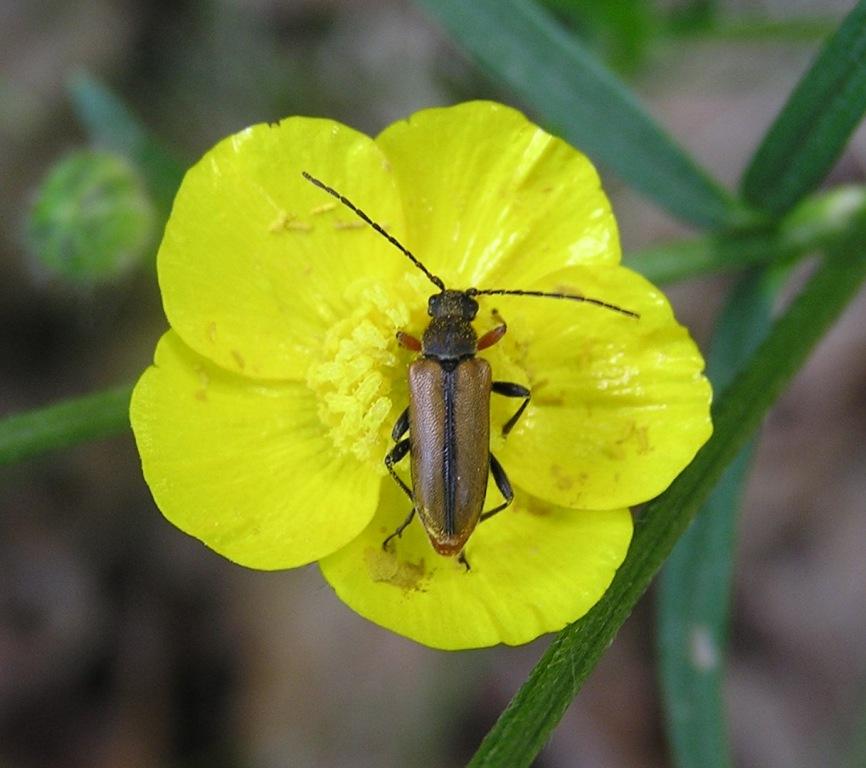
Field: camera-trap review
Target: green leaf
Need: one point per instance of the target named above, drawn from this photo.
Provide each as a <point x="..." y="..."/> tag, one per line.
<point x="28" y="434"/>
<point x="584" y="103"/>
<point x="694" y="595"/>
<point x="111" y="125"/>
<point x="526" y="724"/>
<point x="813" y="127"/>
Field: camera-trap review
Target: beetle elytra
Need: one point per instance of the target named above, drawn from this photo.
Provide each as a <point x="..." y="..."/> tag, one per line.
<point x="448" y="417"/>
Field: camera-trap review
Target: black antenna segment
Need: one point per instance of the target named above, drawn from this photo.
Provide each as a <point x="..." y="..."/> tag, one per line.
<point x="437" y="281"/>
<point x="545" y="294"/>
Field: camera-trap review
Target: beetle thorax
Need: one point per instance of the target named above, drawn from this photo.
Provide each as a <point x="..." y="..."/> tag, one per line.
<point x="450" y="335"/>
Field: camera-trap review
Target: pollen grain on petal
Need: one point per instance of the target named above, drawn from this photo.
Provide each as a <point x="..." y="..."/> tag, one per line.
<point x="346" y="225"/>
<point x="637" y="437"/>
<point x="388" y="568"/>
<point x="288" y="222"/>
<point x="204" y="382"/>
<point x="323" y="208"/>
<point x="280" y="222"/>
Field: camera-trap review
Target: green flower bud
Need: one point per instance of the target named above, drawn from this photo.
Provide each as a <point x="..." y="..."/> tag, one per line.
<point x="92" y="220"/>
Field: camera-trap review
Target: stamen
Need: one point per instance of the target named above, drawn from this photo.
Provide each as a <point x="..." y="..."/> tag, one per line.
<point x="354" y="375"/>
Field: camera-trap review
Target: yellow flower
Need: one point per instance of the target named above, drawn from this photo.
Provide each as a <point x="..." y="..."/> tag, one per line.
<point x="263" y="423"/>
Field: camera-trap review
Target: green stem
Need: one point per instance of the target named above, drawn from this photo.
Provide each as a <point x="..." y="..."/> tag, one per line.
<point x="28" y="434"/>
<point x="523" y="728"/>
<point x="694" y="586"/>
<point x="817" y="222"/>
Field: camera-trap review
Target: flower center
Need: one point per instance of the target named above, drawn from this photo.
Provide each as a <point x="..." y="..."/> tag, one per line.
<point x="354" y="375"/>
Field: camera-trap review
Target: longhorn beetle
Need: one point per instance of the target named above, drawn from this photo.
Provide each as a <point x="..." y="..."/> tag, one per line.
<point x="448" y="418"/>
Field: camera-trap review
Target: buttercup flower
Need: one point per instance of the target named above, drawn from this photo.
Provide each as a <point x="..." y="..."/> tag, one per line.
<point x="263" y="423"/>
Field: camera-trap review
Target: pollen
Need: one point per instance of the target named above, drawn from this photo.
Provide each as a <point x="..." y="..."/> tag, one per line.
<point x="354" y="376"/>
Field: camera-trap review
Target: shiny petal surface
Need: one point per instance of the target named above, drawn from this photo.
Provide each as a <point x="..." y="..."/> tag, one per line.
<point x="492" y="200"/>
<point x="245" y="466"/>
<point x="534" y="569"/>
<point x="262" y="423"/>
<point x="619" y="405"/>
<point x="256" y="262"/>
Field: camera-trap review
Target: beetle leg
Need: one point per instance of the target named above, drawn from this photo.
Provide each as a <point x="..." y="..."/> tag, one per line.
<point x="512" y="390"/>
<point x="401" y="426"/>
<point x="493" y="335"/>
<point x="408" y="342"/>
<point x="504" y="486"/>
<point x="461" y="558"/>
<point x="400" y="529"/>
<point x="392" y="457"/>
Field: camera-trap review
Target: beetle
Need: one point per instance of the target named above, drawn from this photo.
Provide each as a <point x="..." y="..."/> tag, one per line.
<point x="448" y="416"/>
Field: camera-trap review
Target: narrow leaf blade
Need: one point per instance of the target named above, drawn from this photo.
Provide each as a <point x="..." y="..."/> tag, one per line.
<point x="813" y="127"/>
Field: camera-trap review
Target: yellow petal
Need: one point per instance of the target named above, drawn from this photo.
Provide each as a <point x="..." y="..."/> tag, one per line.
<point x="534" y="569"/>
<point x="492" y="200"/>
<point x="619" y="405"/>
<point x="244" y="465"/>
<point x="256" y="262"/>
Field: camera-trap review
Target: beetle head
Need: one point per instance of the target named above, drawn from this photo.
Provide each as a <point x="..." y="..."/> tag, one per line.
<point x="450" y="303"/>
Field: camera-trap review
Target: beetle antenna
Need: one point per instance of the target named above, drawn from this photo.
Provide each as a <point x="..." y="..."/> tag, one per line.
<point x="437" y="281"/>
<point x="545" y="294"/>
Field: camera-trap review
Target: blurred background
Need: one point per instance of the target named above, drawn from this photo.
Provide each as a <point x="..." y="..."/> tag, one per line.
<point x="126" y="643"/>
